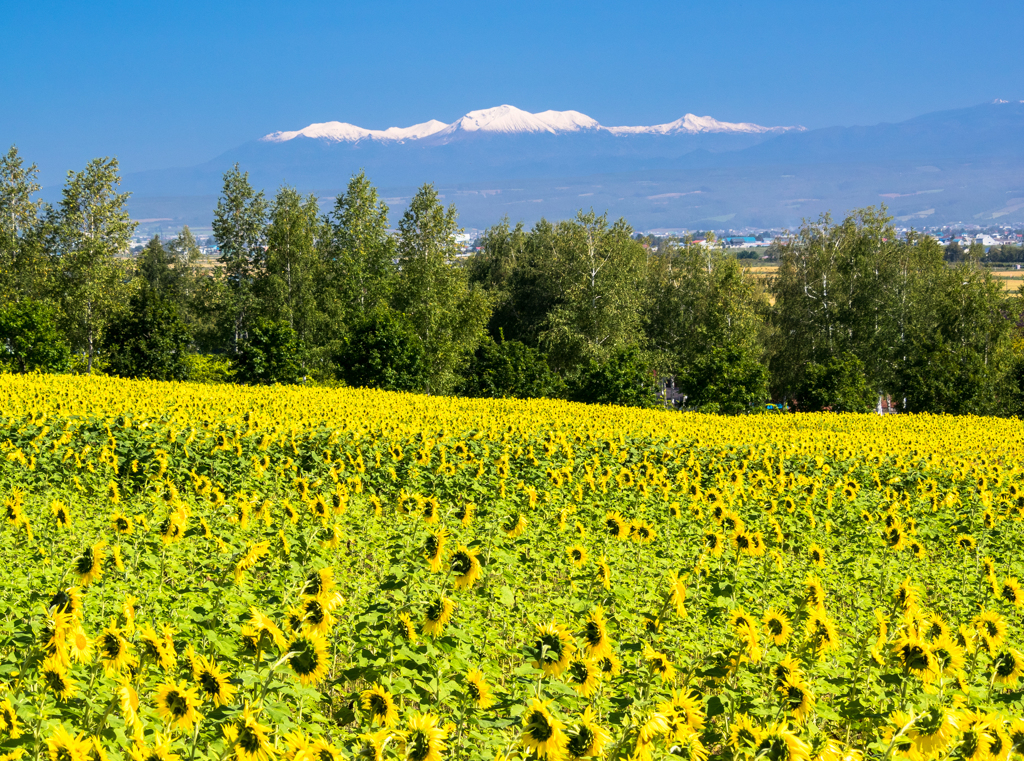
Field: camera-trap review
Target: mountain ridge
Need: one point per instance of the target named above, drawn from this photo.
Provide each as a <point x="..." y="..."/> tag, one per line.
<point x="509" y="120"/>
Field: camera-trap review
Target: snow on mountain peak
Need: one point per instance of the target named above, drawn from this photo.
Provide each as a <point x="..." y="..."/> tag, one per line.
<point x="510" y="120"/>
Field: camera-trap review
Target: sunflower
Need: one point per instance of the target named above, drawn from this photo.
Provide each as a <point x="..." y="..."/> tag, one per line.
<point x="821" y="632"/>
<point x="213" y="683"/>
<point x="433" y="549"/>
<point x="321" y="750"/>
<point x="653" y="726"/>
<point x="249" y="738"/>
<point x="543" y="734"/>
<point x="89" y="565"/>
<point x="308" y="657"/>
<point x="936" y="627"/>
<point x="406" y="628"/>
<point x="689" y="747"/>
<point x="316" y="613"/>
<point x="714" y="543"/>
<point x="587" y="739"/>
<point x="56" y="677"/>
<point x="583" y="676"/>
<point x="797" y="698"/>
<point x="949" y="654"/>
<point x="604" y="572"/>
<point x="616" y="526"/>
<point x="319" y="582"/>
<point x="609" y="664"/>
<point x="907" y="596"/>
<point x="155" y="649"/>
<point x="113" y="649"/>
<point x="177" y="705"/>
<point x="595" y="635"/>
<point x="577" y="555"/>
<point x="465" y="567"/>
<point x="991" y="628"/>
<point x="553" y="649"/>
<point x="267" y="632"/>
<point x="779" y="743"/>
<point x="372" y="744"/>
<point x="677" y="593"/>
<point x="64" y="746"/>
<point x="817" y="555"/>
<point x="917" y="657"/>
<point x="966" y="543"/>
<point x="79" y="646"/>
<point x="1009" y="666"/>
<point x="659" y="663"/>
<point x="814" y="592"/>
<point x="61" y="513"/>
<point x="777" y="627"/>
<point x="745" y="735"/>
<point x="478" y="689"/>
<point x="464" y="513"/>
<point x="934" y="730"/>
<point x="514" y="525"/>
<point x="128" y="701"/>
<point x="437" y="616"/>
<point x="687" y="711"/>
<point x="642" y="532"/>
<point x="9" y="720"/>
<point x="424" y="740"/>
<point x="380" y="705"/>
<point x="1010" y="592"/>
<point x="975" y="738"/>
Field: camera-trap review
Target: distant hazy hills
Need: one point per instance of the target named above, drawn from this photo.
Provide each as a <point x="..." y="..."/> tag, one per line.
<point x="965" y="165"/>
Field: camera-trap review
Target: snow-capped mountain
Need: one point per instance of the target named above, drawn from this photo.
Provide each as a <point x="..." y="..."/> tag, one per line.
<point x="509" y="120"/>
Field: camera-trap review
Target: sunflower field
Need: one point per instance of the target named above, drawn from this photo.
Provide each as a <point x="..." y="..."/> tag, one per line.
<point x="216" y="572"/>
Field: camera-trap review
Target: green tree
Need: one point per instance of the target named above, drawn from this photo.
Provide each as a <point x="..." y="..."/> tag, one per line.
<point x="626" y="377"/>
<point x="269" y="354"/>
<point x="359" y="258"/>
<point x="89" y="235"/>
<point x="510" y="369"/>
<point x="598" y="273"/>
<point x="839" y="385"/>
<point x="23" y="267"/>
<point x="704" y="311"/>
<point x="151" y="341"/>
<point x="290" y="266"/>
<point x="239" y="227"/>
<point x="382" y="350"/>
<point x="30" y="338"/>
<point x="155" y="266"/>
<point x="433" y="290"/>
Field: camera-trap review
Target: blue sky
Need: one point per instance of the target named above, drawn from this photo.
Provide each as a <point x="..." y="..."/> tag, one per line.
<point x="174" y="84"/>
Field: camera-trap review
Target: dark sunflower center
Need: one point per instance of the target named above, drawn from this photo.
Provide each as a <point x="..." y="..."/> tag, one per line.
<point x="461" y="564"/>
<point x="1007" y="665"/>
<point x="84" y="563"/>
<point x="248" y="740"/>
<point x="314" y="612"/>
<point x="580" y="743"/>
<point x="593" y="634"/>
<point x="538" y="727"/>
<point x="795" y="696"/>
<point x="418" y="746"/>
<point x="306" y="660"/>
<point x="916" y="658"/>
<point x="775" y="627"/>
<point x="209" y="683"/>
<point x="435" y="611"/>
<point x="579" y="672"/>
<point x="111" y="646"/>
<point x="55" y="681"/>
<point x="550" y="647"/>
<point x="176" y="704"/>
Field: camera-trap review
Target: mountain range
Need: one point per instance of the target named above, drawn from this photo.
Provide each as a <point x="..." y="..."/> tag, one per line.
<point x="964" y="165"/>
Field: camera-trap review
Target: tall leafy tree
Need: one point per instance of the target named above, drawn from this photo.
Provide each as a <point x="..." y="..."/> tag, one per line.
<point x="239" y="227"/>
<point x="150" y="341"/>
<point x="22" y="260"/>
<point x="359" y="254"/>
<point x="598" y="271"/>
<point x="155" y="267"/>
<point x="433" y="289"/>
<point x="89" y="235"/>
<point x="290" y="264"/>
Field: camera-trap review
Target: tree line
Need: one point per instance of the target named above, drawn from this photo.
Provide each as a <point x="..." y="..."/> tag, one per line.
<point x="582" y="309"/>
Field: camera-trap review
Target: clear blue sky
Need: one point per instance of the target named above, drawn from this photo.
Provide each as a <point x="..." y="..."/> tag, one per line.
<point x="176" y="83"/>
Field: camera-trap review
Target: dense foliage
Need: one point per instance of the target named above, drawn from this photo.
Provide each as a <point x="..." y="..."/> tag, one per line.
<point x="298" y="296"/>
<point x="215" y="572"/>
